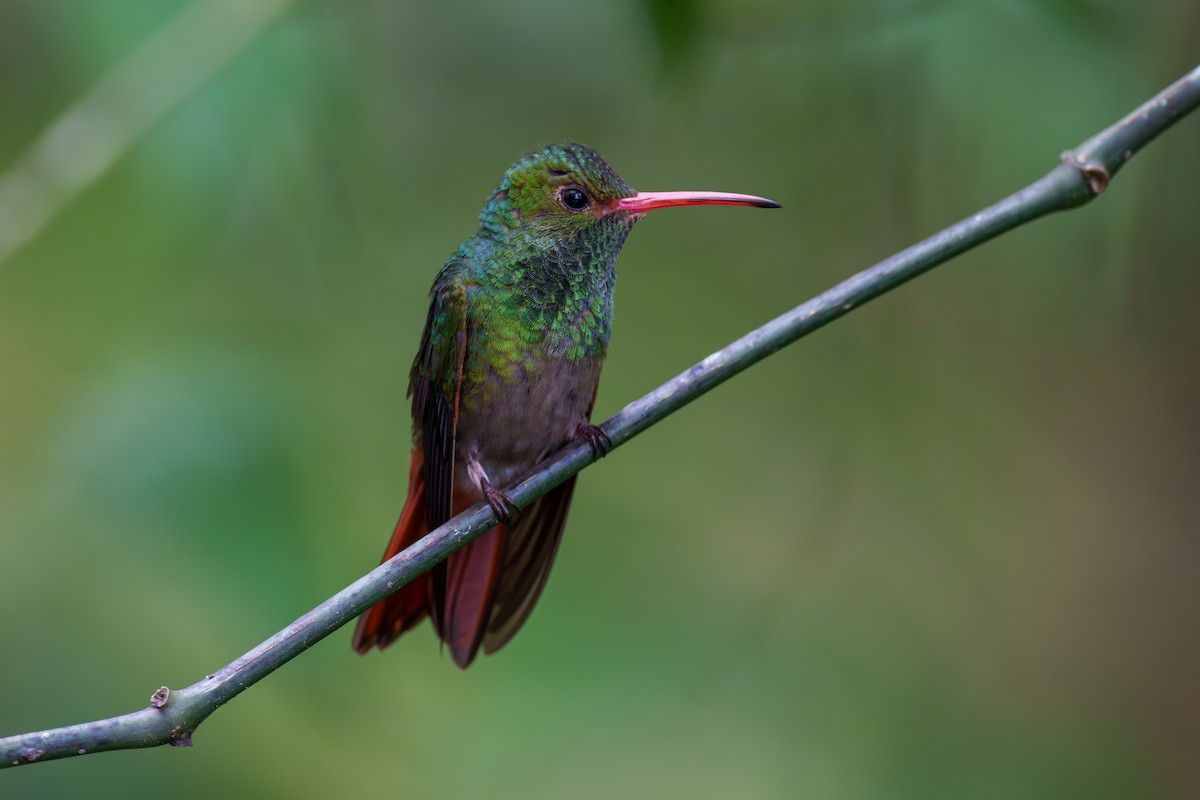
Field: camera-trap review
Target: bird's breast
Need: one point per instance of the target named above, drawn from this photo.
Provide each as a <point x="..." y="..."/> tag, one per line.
<point x="511" y="419"/>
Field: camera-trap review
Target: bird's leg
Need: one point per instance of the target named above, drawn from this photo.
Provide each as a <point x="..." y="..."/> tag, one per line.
<point x="501" y="503"/>
<point x="596" y="438"/>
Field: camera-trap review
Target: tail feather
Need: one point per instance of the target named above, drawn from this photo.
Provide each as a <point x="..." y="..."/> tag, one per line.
<point x="530" y="554"/>
<point x="392" y="616"/>
<point x="473" y="575"/>
<point x="484" y="592"/>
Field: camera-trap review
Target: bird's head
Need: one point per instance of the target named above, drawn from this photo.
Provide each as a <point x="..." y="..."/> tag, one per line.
<point x="567" y="189"/>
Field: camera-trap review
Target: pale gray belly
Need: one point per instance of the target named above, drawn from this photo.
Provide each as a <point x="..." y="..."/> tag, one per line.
<point x="509" y="427"/>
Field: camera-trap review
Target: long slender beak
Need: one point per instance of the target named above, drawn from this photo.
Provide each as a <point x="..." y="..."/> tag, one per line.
<point x="648" y="201"/>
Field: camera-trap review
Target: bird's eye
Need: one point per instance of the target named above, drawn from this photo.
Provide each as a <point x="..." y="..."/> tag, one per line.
<point x="574" y="198"/>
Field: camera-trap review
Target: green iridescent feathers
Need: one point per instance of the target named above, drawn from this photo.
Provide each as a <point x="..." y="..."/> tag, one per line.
<point x="526" y="200"/>
<point x="538" y="277"/>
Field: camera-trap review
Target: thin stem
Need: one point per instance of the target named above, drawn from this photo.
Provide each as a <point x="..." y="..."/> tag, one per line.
<point x="91" y="136"/>
<point x="172" y="717"/>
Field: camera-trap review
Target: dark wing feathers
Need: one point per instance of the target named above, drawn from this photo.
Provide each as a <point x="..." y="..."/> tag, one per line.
<point x="532" y="545"/>
<point x="435" y="384"/>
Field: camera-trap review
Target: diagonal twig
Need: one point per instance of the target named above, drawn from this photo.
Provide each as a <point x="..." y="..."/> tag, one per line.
<point x="87" y="139"/>
<point x="1080" y="176"/>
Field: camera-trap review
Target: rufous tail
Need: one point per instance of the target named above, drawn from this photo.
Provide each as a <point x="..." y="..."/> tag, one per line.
<point x="472" y="575"/>
<point x="490" y="586"/>
<point x="383" y="622"/>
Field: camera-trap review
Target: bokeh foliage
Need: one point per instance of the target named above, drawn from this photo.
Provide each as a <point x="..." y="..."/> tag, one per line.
<point x="945" y="548"/>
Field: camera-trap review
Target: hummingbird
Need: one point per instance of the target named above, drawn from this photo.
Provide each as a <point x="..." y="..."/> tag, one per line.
<point x="506" y="374"/>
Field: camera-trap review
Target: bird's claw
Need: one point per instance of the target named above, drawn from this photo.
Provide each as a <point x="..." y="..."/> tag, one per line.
<point x="596" y="438"/>
<point x="501" y="503"/>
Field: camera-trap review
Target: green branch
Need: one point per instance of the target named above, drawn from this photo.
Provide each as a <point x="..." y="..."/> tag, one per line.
<point x="171" y="718"/>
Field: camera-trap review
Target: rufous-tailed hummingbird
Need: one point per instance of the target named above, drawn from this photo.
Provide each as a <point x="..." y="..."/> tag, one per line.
<point x="506" y="374"/>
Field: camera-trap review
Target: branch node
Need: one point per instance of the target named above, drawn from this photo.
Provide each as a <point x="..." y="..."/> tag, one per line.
<point x="160" y="697"/>
<point x="1094" y="173"/>
<point x="180" y="737"/>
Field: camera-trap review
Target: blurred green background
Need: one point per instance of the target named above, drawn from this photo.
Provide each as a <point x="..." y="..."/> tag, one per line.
<point x="945" y="548"/>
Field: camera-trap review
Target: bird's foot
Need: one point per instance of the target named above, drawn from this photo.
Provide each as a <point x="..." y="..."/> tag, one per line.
<point x="501" y="503"/>
<point x="596" y="438"/>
